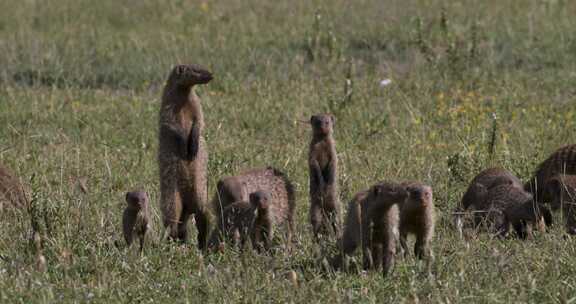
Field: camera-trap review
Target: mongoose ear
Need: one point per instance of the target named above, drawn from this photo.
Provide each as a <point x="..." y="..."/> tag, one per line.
<point x="313" y="119"/>
<point x="333" y="119"/>
<point x="128" y="197"/>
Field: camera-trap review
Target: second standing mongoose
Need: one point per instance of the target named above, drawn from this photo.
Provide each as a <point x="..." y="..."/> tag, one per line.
<point x="182" y="155"/>
<point x="323" y="169"/>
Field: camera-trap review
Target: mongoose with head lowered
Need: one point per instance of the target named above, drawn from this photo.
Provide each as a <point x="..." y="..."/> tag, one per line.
<point x="561" y="189"/>
<point x="417" y="217"/>
<point x="372" y="222"/>
<point x="12" y="192"/>
<point x="562" y="161"/>
<point x="507" y="205"/>
<point x="474" y="199"/>
<point x="238" y="188"/>
<point x="182" y="154"/>
<point x="135" y="217"/>
<point x="323" y="169"/>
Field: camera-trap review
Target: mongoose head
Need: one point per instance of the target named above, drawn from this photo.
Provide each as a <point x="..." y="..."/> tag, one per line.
<point x="388" y="193"/>
<point x="422" y="194"/>
<point x="260" y="200"/>
<point x="322" y="124"/>
<point x="190" y="74"/>
<point x="137" y="199"/>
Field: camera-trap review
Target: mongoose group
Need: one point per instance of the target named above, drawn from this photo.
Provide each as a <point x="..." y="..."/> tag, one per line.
<point x="255" y="208"/>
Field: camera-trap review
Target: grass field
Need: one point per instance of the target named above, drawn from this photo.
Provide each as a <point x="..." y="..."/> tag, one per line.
<point x="80" y="83"/>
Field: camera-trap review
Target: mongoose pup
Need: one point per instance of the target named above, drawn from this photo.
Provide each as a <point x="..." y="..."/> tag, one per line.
<point x="508" y="204"/>
<point x="136" y="216"/>
<point x="12" y="193"/>
<point x="182" y="155"/>
<point x="417" y="217"/>
<point x="323" y="170"/>
<point x="263" y="227"/>
<point x="562" y="161"/>
<point x="238" y="188"/>
<point x="562" y="191"/>
<point x="237" y="222"/>
<point x="372" y="222"/>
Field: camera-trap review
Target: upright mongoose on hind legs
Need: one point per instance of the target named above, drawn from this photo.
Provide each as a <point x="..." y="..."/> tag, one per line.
<point x="136" y="217"/>
<point x="182" y="155"/>
<point x="323" y="168"/>
<point x="417" y="216"/>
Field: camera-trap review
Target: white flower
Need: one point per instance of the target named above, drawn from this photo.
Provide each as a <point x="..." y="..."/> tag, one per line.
<point x="385" y="82"/>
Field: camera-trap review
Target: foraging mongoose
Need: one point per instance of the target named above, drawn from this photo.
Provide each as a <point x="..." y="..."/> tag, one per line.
<point x="12" y="192"/>
<point x="507" y="205"/>
<point x="237" y="188"/>
<point x="136" y="216"/>
<point x="562" y="161"/>
<point x="182" y="155"/>
<point x="372" y="222"/>
<point x="417" y="217"/>
<point x="323" y="170"/>
<point x="561" y="189"/>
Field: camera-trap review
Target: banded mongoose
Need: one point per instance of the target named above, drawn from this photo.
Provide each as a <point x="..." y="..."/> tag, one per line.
<point x="507" y="205"/>
<point x="12" y="192"/>
<point x="182" y="155"/>
<point x="562" y="161"/>
<point x="136" y="217"/>
<point x="323" y="169"/>
<point x="561" y="189"/>
<point x="417" y="216"/>
<point x="238" y="188"/>
<point x="372" y="223"/>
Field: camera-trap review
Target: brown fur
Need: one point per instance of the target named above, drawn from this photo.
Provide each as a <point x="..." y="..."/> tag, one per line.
<point x="510" y="205"/>
<point x="264" y="224"/>
<point x="417" y="216"/>
<point x="323" y="169"/>
<point x="562" y="161"/>
<point x="182" y="154"/>
<point x="136" y="217"/>
<point x="12" y="192"/>
<point x="561" y="189"/>
<point x="237" y="188"/>
<point x="372" y="222"/>
<point x="238" y="218"/>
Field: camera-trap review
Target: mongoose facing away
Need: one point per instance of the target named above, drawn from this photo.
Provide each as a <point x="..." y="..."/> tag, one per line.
<point x="510" y="205"/>
<point x="323" y="170"/>
<point x="237" y="188"/>
<point x="182" y="155"/>
<point x="135" y="217"/>
<point x="562" y="161"/>
<point x="238" y="219"/>
<point x="12" y="192"/>
<point x="417" y="217"/>
<point x="372" y="223"/>
<point x="561" y="189"/>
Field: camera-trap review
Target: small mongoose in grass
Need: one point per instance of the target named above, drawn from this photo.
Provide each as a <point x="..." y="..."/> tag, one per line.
<point x="323" y="170"/>
<point x="561" y="189"/>
<point x="238" y="188"/>
<point x="264" y="223"/>
<point x="136" y="216"/>
<point x="372" y="223"/>
<point x="182" y="154"/>
<point x="507" y="205"/>
<point x="562" y="161"/>
<point x="12" y="192"/>
<point x="417" y="216"/>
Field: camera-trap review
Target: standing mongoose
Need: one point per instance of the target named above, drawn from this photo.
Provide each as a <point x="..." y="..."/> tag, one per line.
<point x="238" y="188"/>
<point x="508" y="204"/>
<point x="136" y="216"/>
<point x="323" y="170"/>
<point x="12" y="192"/>
<point x="264" y="223"/>
<point x="372" y="223"/>
<point x="417" y="217"/>
<point x="561" y="189"/>
<point x="182" y="155"/>
<point x="562" y="161"/>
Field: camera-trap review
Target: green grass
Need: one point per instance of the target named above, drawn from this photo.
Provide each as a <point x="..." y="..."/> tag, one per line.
<point x="80" y="85"/>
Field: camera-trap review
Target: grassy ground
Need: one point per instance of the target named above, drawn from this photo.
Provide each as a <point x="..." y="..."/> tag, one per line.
<point x="79" y="94"/>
